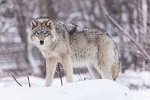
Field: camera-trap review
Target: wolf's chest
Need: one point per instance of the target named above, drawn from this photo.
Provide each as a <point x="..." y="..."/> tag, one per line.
<point x="49" y="54"/>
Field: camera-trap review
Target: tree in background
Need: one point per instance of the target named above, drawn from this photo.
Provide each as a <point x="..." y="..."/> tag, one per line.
<point x="132" y="15"/>
<point x="46" y="9"/>
<point x="19" y="9"/>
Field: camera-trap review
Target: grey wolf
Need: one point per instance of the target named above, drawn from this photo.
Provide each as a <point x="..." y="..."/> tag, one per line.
<point x="74" y="46"/>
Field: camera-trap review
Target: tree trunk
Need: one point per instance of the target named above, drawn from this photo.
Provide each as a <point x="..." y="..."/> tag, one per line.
<point x="46" y="9"/>
<point x="21" y="27"/>
<point x="131" y="18"/>
<point x="139" y="21"/>
<point x="148" y="16"/>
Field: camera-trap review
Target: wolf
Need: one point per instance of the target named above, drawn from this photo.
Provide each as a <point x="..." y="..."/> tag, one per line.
<point x="73" y="46"/>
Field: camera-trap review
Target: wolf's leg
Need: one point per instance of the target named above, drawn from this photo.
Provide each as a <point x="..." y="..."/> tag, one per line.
<point x="105" y="71"/>
<point x="66" y="61"/>
<point x="50" y="70"/>
<point x="104" y="66"/>
<point x="95" y="74"/>
<point x="105" y="57"/>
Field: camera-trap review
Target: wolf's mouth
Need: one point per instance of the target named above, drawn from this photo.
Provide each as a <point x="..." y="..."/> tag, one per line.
<point x="41" y="42"/>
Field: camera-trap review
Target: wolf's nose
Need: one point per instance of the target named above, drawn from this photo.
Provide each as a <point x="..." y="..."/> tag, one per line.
<point x="41" y="42"/>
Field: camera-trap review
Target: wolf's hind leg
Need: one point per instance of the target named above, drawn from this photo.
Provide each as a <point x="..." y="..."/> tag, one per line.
<point x="106" y="73"/>
<point x="104" y="70"/>
<point x="95" y="74"/>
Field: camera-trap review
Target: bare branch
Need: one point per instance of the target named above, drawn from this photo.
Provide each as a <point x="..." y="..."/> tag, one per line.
<point x="79" y="75"/>
<point x="123" y="32"/>
<point x="28" y="80"/>
<point x="16" y="80"/>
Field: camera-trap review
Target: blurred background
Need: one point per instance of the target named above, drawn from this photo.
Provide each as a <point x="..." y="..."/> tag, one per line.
<point x="19" y="57"/>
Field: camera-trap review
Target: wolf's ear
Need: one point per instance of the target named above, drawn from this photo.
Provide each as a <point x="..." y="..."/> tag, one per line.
<point x="33" y="24"/>
<point x="50" y="24"/>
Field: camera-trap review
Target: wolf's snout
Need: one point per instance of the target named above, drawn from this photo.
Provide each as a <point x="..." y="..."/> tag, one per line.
<point x="41" y="42"/>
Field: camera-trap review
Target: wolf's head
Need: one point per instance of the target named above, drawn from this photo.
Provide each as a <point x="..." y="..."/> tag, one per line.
<point x="43" y="32"/>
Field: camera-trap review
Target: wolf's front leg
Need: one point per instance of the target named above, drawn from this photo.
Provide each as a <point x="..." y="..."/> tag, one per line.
<point x="66" y="61"/>
<point x="50" y="70"/>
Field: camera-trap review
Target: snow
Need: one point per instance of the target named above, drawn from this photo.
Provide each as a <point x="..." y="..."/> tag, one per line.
<point x="84" y="90"/>
<point x="80" y="89"/>
<point x="139" y="79"/>
<point x="141" y="95"/>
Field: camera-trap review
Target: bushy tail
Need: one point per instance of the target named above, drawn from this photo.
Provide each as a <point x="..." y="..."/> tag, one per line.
<point x="116" y="66"/>
<point x="115" y="70"/>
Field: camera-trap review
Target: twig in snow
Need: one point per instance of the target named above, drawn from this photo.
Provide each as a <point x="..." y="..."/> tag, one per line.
<point x="85" y="78"/>
<point x="122" y="30"/>
<point x="79" y="75"/>
<point x="28" y="80"/>
<point x="16" y="80"/>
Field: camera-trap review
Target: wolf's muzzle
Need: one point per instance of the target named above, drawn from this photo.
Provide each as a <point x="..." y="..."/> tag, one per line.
<point x="41" y="42"/>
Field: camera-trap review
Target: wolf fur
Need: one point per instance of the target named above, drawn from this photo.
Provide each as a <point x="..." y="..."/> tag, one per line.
<point x="74" y="47"/>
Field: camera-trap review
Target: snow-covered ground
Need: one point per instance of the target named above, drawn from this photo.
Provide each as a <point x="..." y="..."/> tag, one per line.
<point x="83" y="90"/>
<point x="135" y="80"/>
<point x="141" y="94"/>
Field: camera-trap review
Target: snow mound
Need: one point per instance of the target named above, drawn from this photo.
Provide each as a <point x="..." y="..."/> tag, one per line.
<point x="102" y="89"/>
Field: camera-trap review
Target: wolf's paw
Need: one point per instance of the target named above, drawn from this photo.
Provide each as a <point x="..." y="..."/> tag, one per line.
<point x="47" y="84"/>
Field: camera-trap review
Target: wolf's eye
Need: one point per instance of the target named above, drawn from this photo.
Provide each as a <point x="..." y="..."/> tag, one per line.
<point x="46" y="34"/>
<point x="37" y="33"/>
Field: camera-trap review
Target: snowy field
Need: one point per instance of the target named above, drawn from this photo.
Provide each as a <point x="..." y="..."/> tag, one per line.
<point x="83" y="90"/>
<point x="138" y="82"/>
<point x="79" y="90"/>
